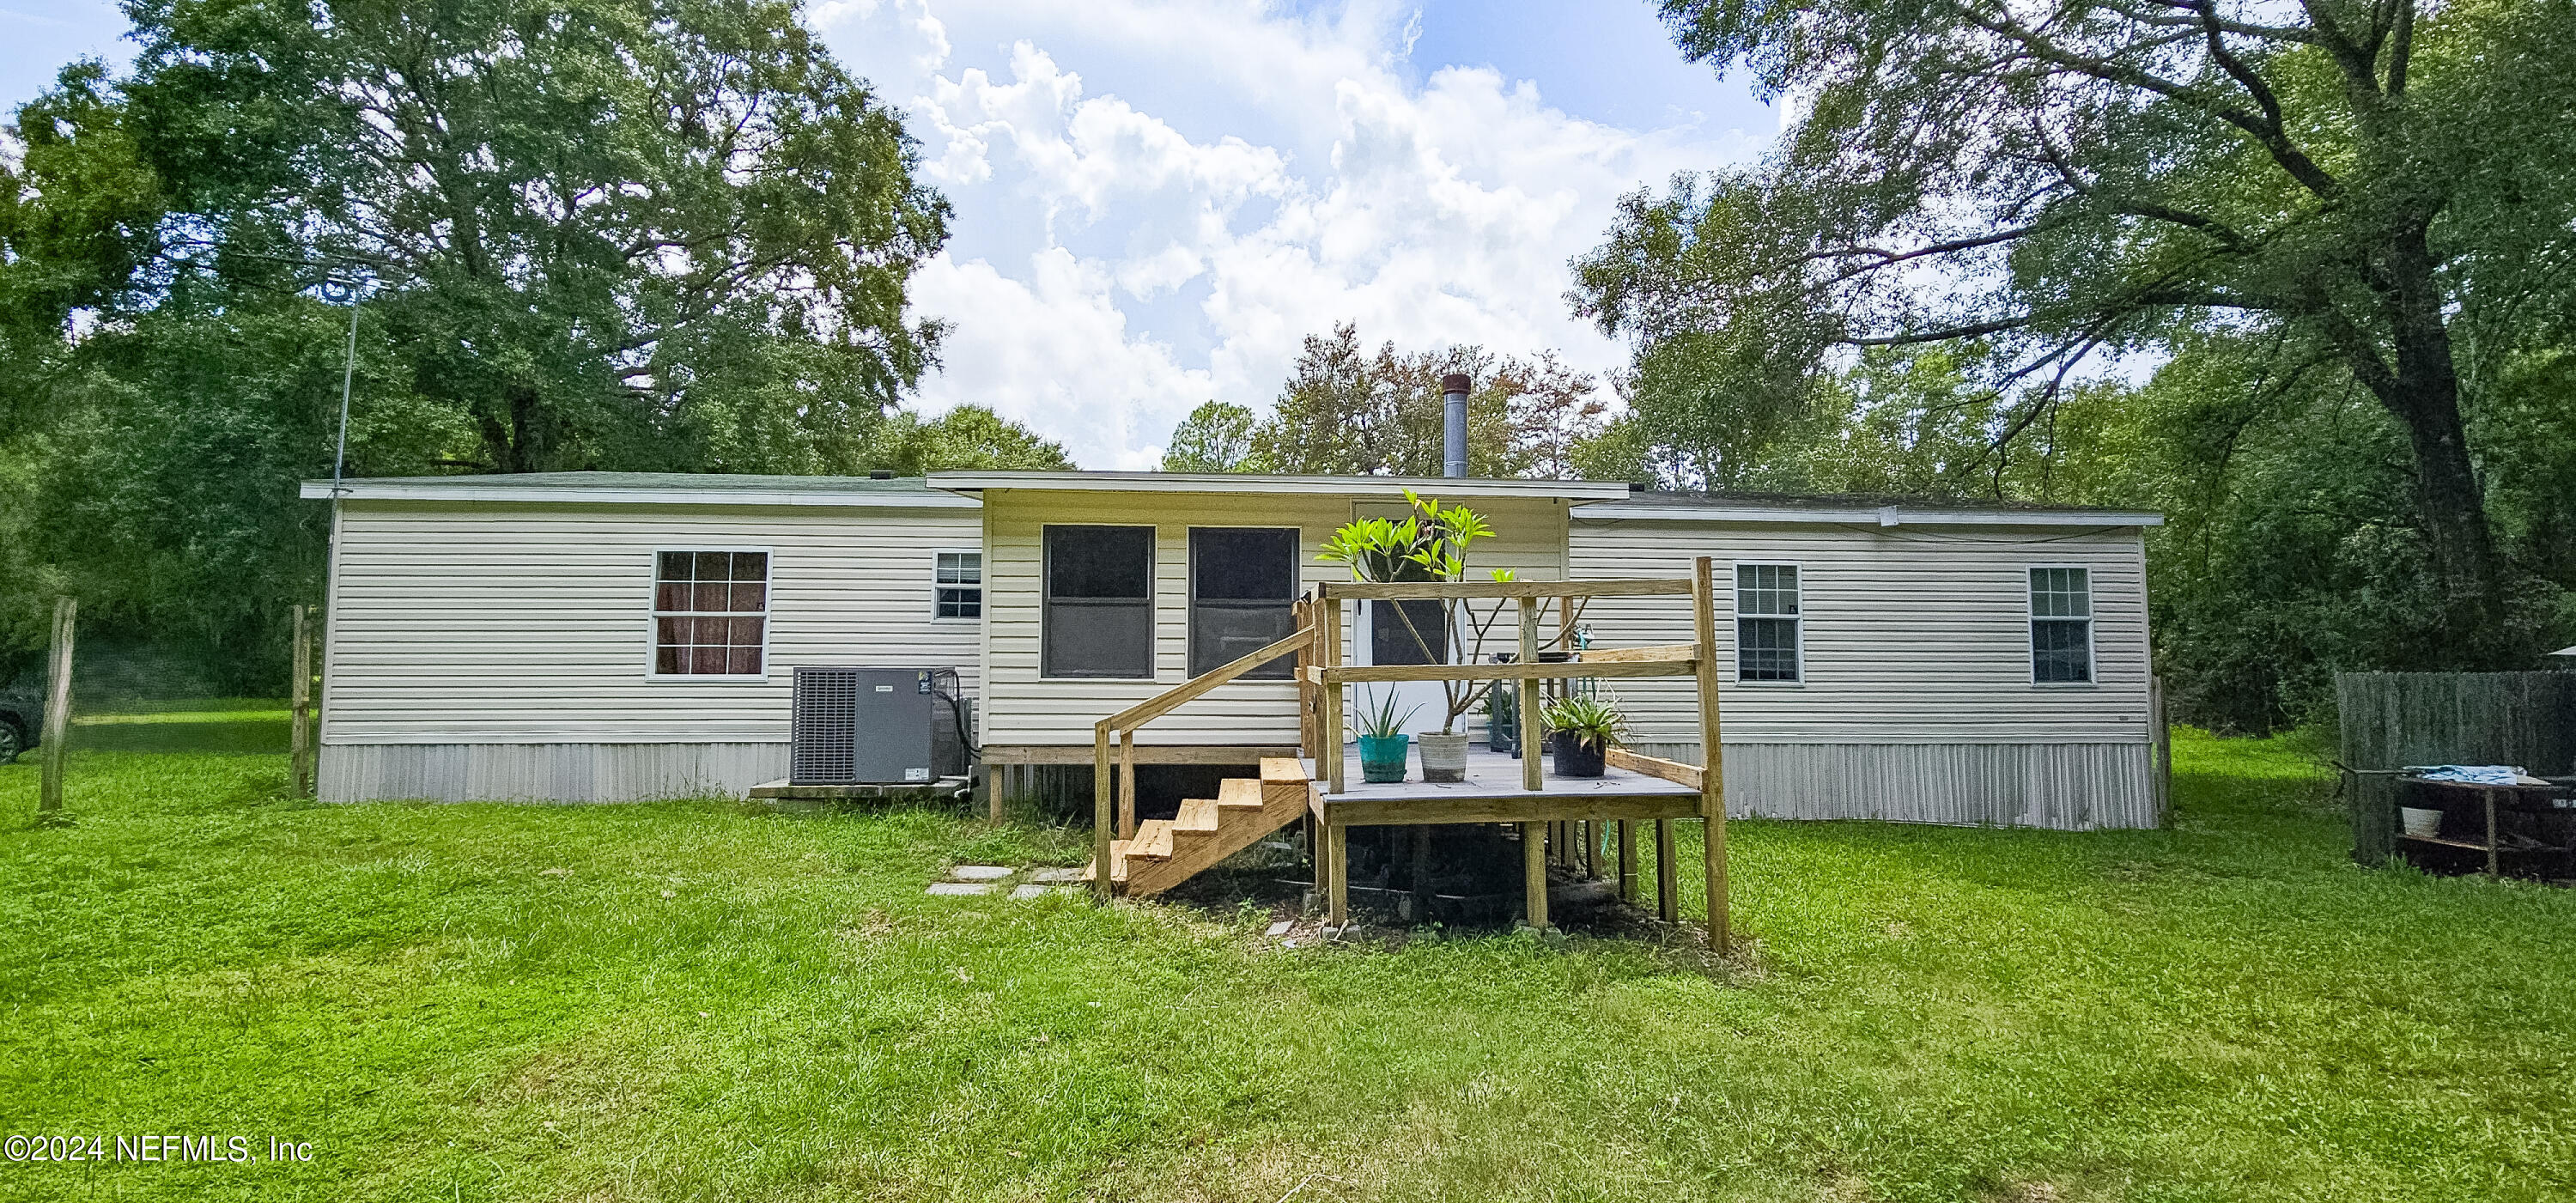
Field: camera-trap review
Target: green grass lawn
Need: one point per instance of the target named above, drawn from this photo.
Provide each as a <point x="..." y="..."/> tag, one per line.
<point x="717" y="1004"/>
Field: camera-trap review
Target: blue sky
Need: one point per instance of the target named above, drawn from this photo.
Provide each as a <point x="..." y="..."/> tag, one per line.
<point x="1156" y="200"/>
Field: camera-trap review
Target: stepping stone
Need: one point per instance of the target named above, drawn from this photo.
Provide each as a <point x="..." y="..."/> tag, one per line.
<point x="1056" y="876"/>
<point x="961" y="887"/>
<point x="1034" y="891"/>
<point x="1282" y="927"/>
<point x="978" y="873"/>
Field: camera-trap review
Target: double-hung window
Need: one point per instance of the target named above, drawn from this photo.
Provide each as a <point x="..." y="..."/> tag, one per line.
<point x="710" y="613"/>
<point x="1099" y="602"/>
<point x="1243" y="590"/>
<point x="1767" y="635"/>
<point x="957" y="589"/>
<point x="2061" y="626"/>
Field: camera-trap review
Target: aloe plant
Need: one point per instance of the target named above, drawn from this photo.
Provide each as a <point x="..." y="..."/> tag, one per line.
<point x="1376" y="717"/>
<point x="1592" y="721"/>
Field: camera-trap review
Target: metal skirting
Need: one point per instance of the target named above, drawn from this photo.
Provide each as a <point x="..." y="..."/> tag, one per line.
<point x="565" y="772"/>
<point x="2070" y="787"/>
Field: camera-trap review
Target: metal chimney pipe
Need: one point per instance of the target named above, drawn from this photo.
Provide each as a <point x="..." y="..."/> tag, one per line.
<point x="1453" y="425"/>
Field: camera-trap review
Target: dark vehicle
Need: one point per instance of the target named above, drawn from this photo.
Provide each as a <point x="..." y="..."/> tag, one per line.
<point x="22" y="715"/>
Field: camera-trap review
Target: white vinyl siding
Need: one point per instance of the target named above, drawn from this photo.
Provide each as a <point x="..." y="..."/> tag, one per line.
<point x="1023" y="709"/>
<point x="472" y="623"/>
<point x="1913" y="634"/>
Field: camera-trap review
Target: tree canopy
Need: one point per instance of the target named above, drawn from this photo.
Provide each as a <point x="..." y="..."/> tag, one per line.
<point x="1348" y="410"/>
<point x="573" y="234"/>
<point x="2369" y="191"/>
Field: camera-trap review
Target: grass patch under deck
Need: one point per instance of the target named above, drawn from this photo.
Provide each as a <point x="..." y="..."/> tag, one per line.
<point x="2224" y="1010"/>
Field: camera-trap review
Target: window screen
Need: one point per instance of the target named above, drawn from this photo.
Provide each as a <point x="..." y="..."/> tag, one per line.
<point x="709" y="611"/>
<point x="1425" y="642"/>
<point x="1243" y="583"/>
<point x="1766" y="622"/>
<point x="2061" y="625"/>
<point x="1099" y="613"/>
<point x="958" y="591"/>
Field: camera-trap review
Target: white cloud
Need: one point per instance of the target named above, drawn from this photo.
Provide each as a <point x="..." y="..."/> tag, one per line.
<point x="1157" y="201"/>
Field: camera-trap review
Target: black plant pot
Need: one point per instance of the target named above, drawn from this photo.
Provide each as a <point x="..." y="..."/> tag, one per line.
<point x="1573" y="757"/>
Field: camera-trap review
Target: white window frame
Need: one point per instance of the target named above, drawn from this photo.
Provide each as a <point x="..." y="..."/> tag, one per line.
<point x="653" y="613"/>
<point x="936" y="585"/>
<point x="2031" y="619"/>
<point x="1735" y="629"/>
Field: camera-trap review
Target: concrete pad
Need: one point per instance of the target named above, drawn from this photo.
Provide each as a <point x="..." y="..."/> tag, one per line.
<point x="1056" y="876"/>
<point x="978" y="873"/>
<point x="1282" y="927"/>
<point x="961" y="887"/>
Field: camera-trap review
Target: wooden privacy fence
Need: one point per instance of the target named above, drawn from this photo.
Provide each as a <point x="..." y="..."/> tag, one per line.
<point x="2392" y="720"/>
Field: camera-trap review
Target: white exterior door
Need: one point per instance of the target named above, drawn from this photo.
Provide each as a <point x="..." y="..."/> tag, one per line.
<point x="1390" y="642"/>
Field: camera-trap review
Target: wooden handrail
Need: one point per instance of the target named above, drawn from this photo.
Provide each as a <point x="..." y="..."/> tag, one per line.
<point x="1456" y="590"/>
<point x="1660" y="651"/>
<point x="1544" y="670"/>
<point x="1170" y="699"/>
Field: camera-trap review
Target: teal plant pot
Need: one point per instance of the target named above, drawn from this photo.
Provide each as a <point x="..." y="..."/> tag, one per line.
<point x="1382" y="758"/>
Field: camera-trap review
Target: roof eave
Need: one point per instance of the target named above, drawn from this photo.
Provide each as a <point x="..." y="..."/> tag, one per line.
<point x="1875" y="516"/>
<point x="1228" y="482"/>
<point x="363" y="490"/>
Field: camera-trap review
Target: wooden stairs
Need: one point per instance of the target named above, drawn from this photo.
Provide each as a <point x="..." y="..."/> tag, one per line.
<point x="1167" y="852"/>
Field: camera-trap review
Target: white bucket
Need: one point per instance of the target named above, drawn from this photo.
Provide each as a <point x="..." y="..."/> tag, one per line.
<point x="2420" y="822"/>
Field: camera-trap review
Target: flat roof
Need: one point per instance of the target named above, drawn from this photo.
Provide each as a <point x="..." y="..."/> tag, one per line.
<point x="1246" y="482"/>
<point x="1855" y="508"/>
<point x="647" y="488"/>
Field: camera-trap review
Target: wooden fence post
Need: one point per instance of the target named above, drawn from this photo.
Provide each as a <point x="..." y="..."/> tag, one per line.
<point x="58" y="712"/>
<point x="299" y="743"/>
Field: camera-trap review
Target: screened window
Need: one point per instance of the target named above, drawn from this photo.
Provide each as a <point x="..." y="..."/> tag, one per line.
<point x="1766" y="622"/>
<point x="1426" y="641"/>
<point x="1099" y="608"/>
<point x="958" y="591"/>
<point x="2061" y="626"/>
<point x="710" y="612"/>
<point x="1243" y="585"/>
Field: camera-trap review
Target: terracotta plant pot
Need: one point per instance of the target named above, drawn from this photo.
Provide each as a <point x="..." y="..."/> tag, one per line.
<point x="1575" y="758"/>
<point x="1444" y="757"/>
<point x="1382" y="758"/>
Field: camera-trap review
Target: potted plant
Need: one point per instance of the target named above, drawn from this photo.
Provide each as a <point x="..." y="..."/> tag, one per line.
<point x="1582" y="731"/>
<point x="1382" y="738"/>
<point x="1429" y="544"/>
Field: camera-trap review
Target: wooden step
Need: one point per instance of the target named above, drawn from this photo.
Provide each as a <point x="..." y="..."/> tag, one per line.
<point x="1239" y="791"/>
<point x="1197" y="814"/>
<point x="1153" y="841"/>
<point x="1246" y="809"/>
<point x="1117" y="864"/>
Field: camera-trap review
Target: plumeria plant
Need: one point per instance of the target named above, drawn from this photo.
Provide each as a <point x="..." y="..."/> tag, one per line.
<point x="1428" y="544"/>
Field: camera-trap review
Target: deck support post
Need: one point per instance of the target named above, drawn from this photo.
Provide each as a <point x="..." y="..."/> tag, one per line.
<point x="993" y="792"/>
<point x="1668" y="886"/>
<point x="1712" y="778"/>
<point x="1534" y="872"/>
<point x="1530" y="691"/>
<point x="1627" y="862"/>
<point x="1337" y="859"/>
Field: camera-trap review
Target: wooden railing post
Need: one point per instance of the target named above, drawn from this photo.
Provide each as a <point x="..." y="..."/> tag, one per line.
<point x="1712" y="781"/>
<point x="1531" y="777"/>
<point x="1328" y="720"/>
<point x="1127" y="784"/>
<point x="1102" y="823"/>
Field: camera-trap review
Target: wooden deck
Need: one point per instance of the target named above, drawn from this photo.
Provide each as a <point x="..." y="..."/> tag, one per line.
<point x="1496" y="791"/>
<point x="1493" y="793"/>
